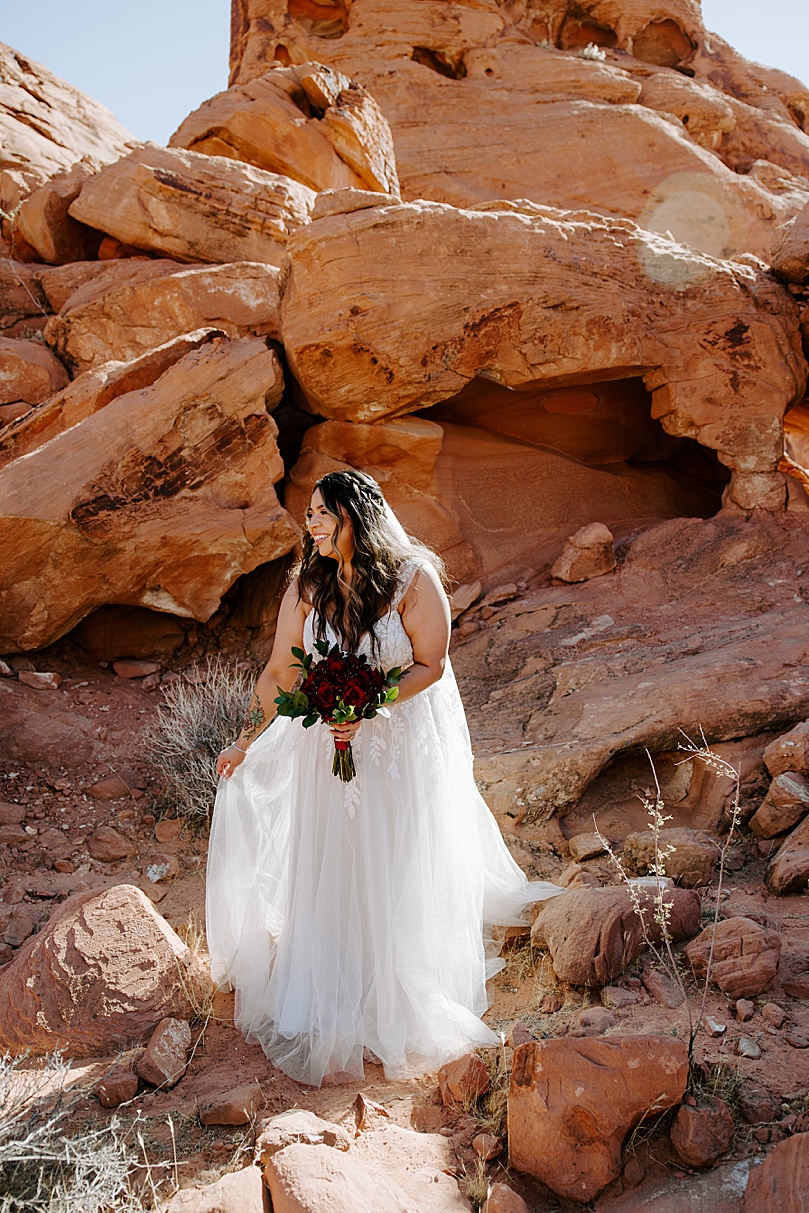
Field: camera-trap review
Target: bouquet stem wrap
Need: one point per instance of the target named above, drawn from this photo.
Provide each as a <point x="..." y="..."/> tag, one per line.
<point x="343" y="765"/>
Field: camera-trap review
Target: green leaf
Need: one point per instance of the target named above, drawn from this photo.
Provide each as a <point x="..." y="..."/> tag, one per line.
<point x="299" y="653"/>
<point x="310" y="720"/>
<point x="322" y="647"/>
<point x="392" y="693"/>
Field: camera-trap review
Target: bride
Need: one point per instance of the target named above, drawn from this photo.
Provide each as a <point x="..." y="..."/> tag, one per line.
<point x="357" y="920"/>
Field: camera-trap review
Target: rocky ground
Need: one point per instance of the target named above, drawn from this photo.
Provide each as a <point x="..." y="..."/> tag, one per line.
<point x="76" y="826"/>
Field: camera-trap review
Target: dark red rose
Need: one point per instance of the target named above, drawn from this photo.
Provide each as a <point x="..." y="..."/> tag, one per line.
<point x="356" y="694"/>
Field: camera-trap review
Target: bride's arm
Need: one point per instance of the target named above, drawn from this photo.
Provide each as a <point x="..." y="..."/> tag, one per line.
<point x="426" y="619"/>
<point x="276" y="673"/>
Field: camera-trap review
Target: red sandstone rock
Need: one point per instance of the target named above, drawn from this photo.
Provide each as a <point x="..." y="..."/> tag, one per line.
<point x="304" y="121"/>
<point x="789" y="752"/>
<point x="790" y="254"/>
<point x="168" y="829"/>
<point x="593" y="934"/>
<point x="131" y="668"/>
<point x="518" y="1034"/>
<point x="401" y="353"/>
<point x="236" y="1107"/>
<point x="503" y="1199"/>
<point x="40" y="681"/>
<point x="194" y="207"/>
<point x="745" y="1009"/>
<point x="586" y="846"/>
<point x="755" y="1102"/>
<point x="588" y="553"/>
<point x="171" y="532"/>
<point x="466" y="1078"/>
<point x="236" y="1192"/>
<point x="44" y="225"/>
<point x="129" y="314"/>
<point x="703" y="1134"/>
<point x="789" y="869"/>
<point x="745" y="956"/>
<point x="298" y="1126"/>
<point x="114" y="786"/>
<point x="317" y="1179"/>
<point x="592" y="1021"/>
<point x="20" y="927"/>
<point x="774" y="1014"/>
<point x="117" y="1087"/>
<point x="29" y="372"/>
<point x="786" y="803"/>
<point x="81" y="984"/>
<point x="692" y="861"/>
<point x="782" y="1180"/>
<point x="164" y="1060"/>
<point x="486" y="1146"/>
<point x="798" y="987"/>
<point x="47" y="125"/>
<point x="663" y="988"/>
<point x="115" y="631"/>
<point x="108" y="845"/>
<point x="11" y="814"/>
<point x="565" y="1094"/>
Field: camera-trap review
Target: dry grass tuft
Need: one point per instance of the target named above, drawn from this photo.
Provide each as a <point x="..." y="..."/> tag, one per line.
<point x="43" y="1169"/>
<point x="476" y="1186"/>
<point x="196" y="721"/>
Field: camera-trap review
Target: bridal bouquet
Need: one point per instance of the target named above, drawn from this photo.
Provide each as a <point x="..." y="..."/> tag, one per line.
<point x="338" y="689"/>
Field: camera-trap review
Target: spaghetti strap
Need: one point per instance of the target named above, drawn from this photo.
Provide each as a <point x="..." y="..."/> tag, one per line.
<point x="407" y="575"/>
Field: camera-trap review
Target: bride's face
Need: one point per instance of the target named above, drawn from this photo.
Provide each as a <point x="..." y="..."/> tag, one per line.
<point x="323" y="529"/>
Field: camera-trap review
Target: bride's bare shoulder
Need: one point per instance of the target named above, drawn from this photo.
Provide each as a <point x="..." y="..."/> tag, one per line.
<point x="294" y="600"/>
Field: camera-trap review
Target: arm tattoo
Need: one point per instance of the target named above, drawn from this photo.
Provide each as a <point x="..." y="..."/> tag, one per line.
<point x="255" y="718"/>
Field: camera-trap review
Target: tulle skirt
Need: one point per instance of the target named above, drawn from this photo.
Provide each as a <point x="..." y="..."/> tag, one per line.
<point x="362" y="917"/>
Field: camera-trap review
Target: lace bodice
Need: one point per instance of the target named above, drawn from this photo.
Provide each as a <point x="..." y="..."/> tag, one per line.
<point x="393" y="644"/>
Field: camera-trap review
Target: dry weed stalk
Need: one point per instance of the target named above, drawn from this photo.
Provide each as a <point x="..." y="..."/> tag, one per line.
<point x="663" y="950"/>
<point x="196" y="720"/>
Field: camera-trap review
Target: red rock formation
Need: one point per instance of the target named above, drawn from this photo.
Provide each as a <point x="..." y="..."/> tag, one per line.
<point x="488" y="100"/>
<point x="81" y="983"/>
<point x="593" y="934"/>
<point x="144" y="487"/>
<point x="194" y="207"/>
<point x="571" y="1103"/>
<point x="308" y="123"/>
<point x="47" y="126"/>
<point x="744" y="956"/>
<point x="390" y="352"/>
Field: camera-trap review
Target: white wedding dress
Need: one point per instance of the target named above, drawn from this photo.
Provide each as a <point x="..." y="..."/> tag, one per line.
<point x="360" y="917"/>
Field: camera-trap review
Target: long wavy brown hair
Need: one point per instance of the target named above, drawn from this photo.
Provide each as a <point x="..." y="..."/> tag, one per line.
<point x="379" y="552"/>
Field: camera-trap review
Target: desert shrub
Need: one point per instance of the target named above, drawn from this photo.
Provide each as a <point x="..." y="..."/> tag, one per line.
<point x="45" y="1169"/>
<point x="196" y="720"/>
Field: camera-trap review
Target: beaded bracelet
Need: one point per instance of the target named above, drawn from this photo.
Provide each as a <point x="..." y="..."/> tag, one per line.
<point x="233" y="746"/>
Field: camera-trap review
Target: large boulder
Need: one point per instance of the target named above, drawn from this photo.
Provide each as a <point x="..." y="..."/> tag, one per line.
<point x="790" y="752"/>
<point x="571" y="1103"/>
<point x="194" y="207"/>
<point x="745" y="956"/>
<point x="234" y="1192"/>
<point x="162" y="499"/>
<point x="92" y="390"/>
<point x="99" y="977"/>
<point x="29" y="372"/>
<point x="43" y="225"/>
<point x="782" y="1181"/>
<point x="788" y="871"/>
<point x="306" y="122"/>
<point x="790" y="255"/>
<point x="486" y="103"/>
<point x="605" y="669"/>
<point x="123" y="315"/>
<point x="47" y="125"/>
<point x="687" y="856"/>
<point x="593" y="934"/>
<point x="385" y="351"/>
<point x="786" y="803"/>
